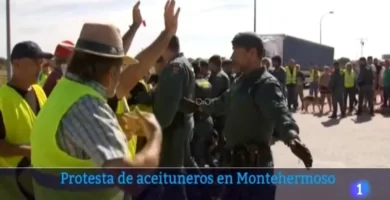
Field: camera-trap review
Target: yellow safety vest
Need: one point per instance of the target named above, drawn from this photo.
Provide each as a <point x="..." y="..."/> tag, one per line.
<point x="291" y="77"/>
<point x="46" y="153"/>
<point x="311" y="79"/>
<point x="349" y="79"/>
<point x="42" y="79"/>
<point x="18" y="119"/>
<point x="132" y="143"/>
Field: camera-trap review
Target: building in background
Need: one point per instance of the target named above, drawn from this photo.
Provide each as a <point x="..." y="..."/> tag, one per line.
<point x="385" y="56"/>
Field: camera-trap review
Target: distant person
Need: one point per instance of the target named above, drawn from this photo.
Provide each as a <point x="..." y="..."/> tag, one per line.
<point x="220" y="83"/>
<point x="336" y="85"/>
<point x="266" y="62"/>
<point x="279" y="72"/>
<point x="314" y="80"/>
<point x="204" y="69"/>
<point x="300" y="82"/>
<point x="349" y="87"/>
<point x="325" y="92"/>
<point x="378" y="84"/>
<point x="46" y="70"/>
<point x="365" y="82"/>
<point x="386" y="84"/>
<point x="62" y="54"/>
<point x="291" y="84"/>
<point x="227" y="66"/>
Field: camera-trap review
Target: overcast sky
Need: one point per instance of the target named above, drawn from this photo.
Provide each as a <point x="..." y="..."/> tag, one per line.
<point x="207" y="26"/>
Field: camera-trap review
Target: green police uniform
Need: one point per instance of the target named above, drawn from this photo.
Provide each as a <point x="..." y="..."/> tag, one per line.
<point x="254" y="107"/>
<point x="176" y="81"/>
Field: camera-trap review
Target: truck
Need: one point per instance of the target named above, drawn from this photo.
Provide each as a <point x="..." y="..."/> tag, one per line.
<point x="306" y="53"/>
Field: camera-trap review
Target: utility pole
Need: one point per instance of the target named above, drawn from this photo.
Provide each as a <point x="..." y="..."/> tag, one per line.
<point x="254" y="15"/>
<point x="362" y="43"/>
<point x="8" y="38"/>
<point x="322" y="17"/>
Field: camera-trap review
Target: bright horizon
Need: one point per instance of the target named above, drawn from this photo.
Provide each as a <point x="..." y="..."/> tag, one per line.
<point x="206" y="27"/>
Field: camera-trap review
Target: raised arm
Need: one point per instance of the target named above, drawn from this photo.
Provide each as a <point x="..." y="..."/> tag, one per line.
<point x="148" y="57"/>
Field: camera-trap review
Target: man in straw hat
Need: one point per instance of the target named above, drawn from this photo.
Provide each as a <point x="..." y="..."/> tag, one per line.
<point x="77" y="129"/>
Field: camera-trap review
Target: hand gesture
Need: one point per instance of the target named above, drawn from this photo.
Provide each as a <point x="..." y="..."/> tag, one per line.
<point x="137" y="18"/>
<point x="148" y="123"/>
<point x="171" y="17"/>
<point x="130" y="124"/>
<point x="302" y="152"/>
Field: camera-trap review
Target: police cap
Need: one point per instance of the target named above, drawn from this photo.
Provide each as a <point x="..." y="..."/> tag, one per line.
<point x="248" y="40"/>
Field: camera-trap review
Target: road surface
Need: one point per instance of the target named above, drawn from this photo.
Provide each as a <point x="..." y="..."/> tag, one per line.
<point x="346" y="143"/>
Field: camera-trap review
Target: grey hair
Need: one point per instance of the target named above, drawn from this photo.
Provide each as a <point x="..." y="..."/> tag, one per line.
<point x="266" y="59"/>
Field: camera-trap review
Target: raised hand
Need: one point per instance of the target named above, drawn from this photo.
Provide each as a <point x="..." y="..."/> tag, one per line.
<point x="137" y="17"/>
<point x="171" y="17"/>
<point x="148" y="123"/>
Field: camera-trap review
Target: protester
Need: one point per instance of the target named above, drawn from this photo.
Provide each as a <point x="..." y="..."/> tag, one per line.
<point x="300" y="83"/>
<point x="87" y="129"/>
<point x="21" y="101"/>
<point x="336" y="86"/>
<point x="62" y="54"/>
<point x="279" y="72"/>
<point x="47" y="68"/>
<point x="386" y="84"/>
<point x="365" y="82"/>
<point x="325" y="92"/>
<point x="378" y="89"/>
<point x="314" y="79"/>
<point x="291" y="85"/>
<point x="349" y="87"/>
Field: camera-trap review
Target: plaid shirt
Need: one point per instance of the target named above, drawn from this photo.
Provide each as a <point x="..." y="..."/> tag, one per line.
<point x="90" y="130"/>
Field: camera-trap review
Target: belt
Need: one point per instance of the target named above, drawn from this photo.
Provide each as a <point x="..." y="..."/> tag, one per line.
<point x="250" y="155"/>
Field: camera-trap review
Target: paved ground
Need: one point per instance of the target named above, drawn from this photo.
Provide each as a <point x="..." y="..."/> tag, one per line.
<point x="346" y="143"/>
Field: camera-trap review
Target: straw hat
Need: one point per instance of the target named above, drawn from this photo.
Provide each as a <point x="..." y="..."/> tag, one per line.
<point x="101" y="40"/>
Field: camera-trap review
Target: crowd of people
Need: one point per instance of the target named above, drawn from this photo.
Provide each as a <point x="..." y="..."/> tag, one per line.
<point x="89" y="105"/>
<point x="354" y="86"/>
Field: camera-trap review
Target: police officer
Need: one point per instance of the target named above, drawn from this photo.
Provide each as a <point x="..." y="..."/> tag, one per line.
<point x="365" y="82"/>
<point x="176" y="81"/>
<point x="227" y="66"/>
<point x="203" y="121"/>
<point x="254" y="106"/>
<point x="220" y="82"/>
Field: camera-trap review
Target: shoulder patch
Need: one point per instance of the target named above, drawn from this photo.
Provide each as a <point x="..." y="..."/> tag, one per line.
<point x="175" y="67"/>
